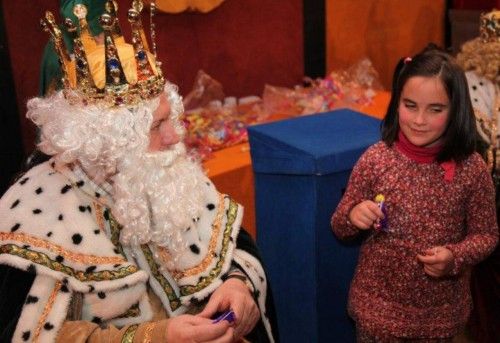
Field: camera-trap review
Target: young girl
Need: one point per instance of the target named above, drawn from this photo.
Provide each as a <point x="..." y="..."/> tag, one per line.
<point x="438" y="212"/>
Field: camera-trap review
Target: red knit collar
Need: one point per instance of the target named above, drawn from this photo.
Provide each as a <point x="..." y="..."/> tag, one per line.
<point x="425" y="155"/>
<point x="417" y="153"/>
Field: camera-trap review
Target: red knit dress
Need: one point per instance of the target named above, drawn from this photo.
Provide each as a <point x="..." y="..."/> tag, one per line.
<point x="390" y="294"/>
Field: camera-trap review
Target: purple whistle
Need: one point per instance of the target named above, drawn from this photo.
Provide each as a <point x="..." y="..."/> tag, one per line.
<point x="228" y="315"/>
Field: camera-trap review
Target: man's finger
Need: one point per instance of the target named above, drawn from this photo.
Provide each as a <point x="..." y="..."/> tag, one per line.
<point x="211" y="308"/>
<point x="210" y="331"/>
<point x="226" y="338"/>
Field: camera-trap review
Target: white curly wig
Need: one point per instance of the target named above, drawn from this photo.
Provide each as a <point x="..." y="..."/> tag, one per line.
<point x="156" y="194"/>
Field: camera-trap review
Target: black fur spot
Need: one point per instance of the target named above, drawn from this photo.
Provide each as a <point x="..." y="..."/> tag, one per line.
<point x="89" y="209"/>
<point x="475" y="99"/>
<point x="48" y="326"/>
<point x="101" y="295"/>
<point x="80" y="183"/>
<point x="31" y="269"/>
<point x="51" y="173"/>
<point x="474" y="87"/>
<point x="194" y="248"/>
<point x="65" y="281"/>
<point x="14" y="204"/>
<point x="90" y="269"/>
<point x="261" y="279"/>
<point x="82" y="208"/>
<point x="97" y="231"/>
<point x="97" y="194"/>
<point x="26" y="246"/>
<point x="59" y="258"/>
<point x="31" y="299"/>
<point x="65" y="189"/>
<point x="116" y="250"/>
<point x="208" y="183"/>
<point x="49" y="233"/>
<point x="481" y="83"/>
<point x="257" y="293"/>
<point x="26" y="335"/>
<point x="64" y="289"/>
<point x="117" y="265"/>
<point x="15" y="227"/>
<point x="60" y="218"/>
<point x="23" y="181"/>
<point x="77" y="238"/>
<point x="37" y="211"/>
<point x="210" y="206"/>
<point x="231" y="239"/>
<point x="97" y="320"/>
<point x="39" y="190"/>
<point x="91" y="289"/>
<point x="106" y="214"/>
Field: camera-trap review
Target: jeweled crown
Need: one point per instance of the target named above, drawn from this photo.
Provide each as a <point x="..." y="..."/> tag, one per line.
<point x="111" y="74"/>
<point x="489" y="27"/>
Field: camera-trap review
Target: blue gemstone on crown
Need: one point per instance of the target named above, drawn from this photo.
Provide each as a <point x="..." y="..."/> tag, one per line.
<point x="141" y="54"/>
<point x="113" y="63"/>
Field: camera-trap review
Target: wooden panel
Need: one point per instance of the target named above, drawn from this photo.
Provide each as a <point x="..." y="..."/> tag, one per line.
<point x="382" y="30"/>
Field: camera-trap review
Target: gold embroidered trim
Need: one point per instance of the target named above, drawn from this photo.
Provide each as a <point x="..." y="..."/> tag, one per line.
<point x="203" y="265"/>
<point x="46" y="310"/>
<point x="133" y="311"/>
<point x="44" y="260"/>
<point x="75" y="257"/>
<point x="115" y="229"/>
<point x="205" y="281"/>
<point x="147" y="332"/>
<point x="128" y="336"/>
<point x="165" y="285"/>
<point x="99" y="215"/>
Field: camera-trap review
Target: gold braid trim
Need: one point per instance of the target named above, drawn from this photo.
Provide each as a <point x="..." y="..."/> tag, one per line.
<point x="165" y="285"/>
<point x="128" y="336"/>
<point x="75" y="257"/>
<point x="46" y="310"/>
<point x="205" y="281"/>
<point x="44" y="260"/>
<point x="147" y="332"/>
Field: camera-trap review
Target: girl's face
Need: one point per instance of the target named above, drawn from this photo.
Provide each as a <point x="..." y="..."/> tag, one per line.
<point x="424" y="110"/>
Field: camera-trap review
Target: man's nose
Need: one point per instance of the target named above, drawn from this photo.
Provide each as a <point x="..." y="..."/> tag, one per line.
<point x="169" y="135"/>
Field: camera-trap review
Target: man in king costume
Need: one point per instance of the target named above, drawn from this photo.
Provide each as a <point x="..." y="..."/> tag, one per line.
<point x="119" y="236"/>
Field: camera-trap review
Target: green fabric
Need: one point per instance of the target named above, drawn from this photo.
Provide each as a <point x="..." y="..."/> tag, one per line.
<point x="50" y="71"/>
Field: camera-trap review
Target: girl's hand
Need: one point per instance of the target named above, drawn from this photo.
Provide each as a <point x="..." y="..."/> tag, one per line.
<point x="438" y="261"/>
<point x="365" y="214"/>
<point x="234" y="294"/>
<point x="187" y="328"/>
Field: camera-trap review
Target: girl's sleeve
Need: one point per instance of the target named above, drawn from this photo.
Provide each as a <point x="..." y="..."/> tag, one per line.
<point x="358" y="189"/>
<point x="83" y="331"/>
<point x="482" y="227"/>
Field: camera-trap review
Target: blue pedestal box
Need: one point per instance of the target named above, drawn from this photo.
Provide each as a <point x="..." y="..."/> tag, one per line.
<point x="301" y="169"/>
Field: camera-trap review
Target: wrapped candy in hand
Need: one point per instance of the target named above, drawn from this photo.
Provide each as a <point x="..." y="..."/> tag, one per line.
<point x="381" y="224"/>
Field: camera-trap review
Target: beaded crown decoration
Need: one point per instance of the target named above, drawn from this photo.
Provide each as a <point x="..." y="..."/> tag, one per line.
<point x="489" y="26"/>
<point x="111" y="74"/>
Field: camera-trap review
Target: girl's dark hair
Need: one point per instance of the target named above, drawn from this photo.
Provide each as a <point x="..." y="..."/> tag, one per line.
<point x="461" y="134"/>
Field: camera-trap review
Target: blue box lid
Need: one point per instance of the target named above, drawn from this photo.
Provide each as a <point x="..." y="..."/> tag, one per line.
<point x="312" y="145"/>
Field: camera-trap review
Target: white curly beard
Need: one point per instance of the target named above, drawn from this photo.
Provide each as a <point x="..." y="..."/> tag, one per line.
<point x="156" y="196"/>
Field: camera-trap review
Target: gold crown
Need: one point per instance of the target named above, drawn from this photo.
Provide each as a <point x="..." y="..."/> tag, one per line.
<point x="114" y="73"/>
<point x="489" y="26"/>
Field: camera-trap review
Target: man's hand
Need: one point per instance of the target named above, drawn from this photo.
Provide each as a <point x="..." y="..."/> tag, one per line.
<point x="190" y="329"/>
<point x="365" y="214"/>
<point x="438" y="261"/>
<point x="234" y="294"/>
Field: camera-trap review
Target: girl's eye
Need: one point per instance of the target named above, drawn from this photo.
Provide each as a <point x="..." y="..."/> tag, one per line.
<point x="436" y="109"/>
<point x="409" y="105"/>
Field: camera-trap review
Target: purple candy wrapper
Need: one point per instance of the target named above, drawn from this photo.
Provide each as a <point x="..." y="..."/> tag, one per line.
<point x="228" y="315"/>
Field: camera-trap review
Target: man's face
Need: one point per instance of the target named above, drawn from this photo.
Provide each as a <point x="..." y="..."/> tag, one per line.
<point x="162" y="133"/>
